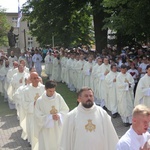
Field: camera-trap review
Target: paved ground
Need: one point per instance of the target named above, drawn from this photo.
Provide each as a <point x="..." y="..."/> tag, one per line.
<point x="10" y="132"/>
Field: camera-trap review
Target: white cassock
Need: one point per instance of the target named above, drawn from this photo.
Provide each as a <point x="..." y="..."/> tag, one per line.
<point x="8" y="86"/>
<point x="29" y="60"/>
<point x="17" y="80"/>
<point x="88" y="129"/>
<point x="132" y="141"/>
<point x="74" y="73"/>
<point x="93" y="77"/>
<point x="63" y="68"/>
<point x="125" y="96"/>
<point x="102" y="85"/>
<point x="96" y="84"/>
<point x="47" y="130"/>
<point x="111" y="92"/>
<point x="31" y="94"/>
<point x="37" y="59"/>
<point x="56" y="72"/>
<point x="48" y="63"/>
<point x="11" y="60"/>
<point x="143" y="91"/>
<point x="79" y="70"/>
<point x="18" y="98"/>
<point x="87" y="74"/>
<point x="69" y="74"/>
<point x="3" y="73"/>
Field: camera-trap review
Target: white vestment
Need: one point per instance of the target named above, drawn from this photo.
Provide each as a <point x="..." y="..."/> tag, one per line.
<point x="31" y="94"/>
<point x="87" y="68"/>
<point x="11" y="59"/>
<point x="79" y="70"/>
<point x="48" y="65"/>
<point x="63" y="68"/>
<point x="37" y="59"/>
<point x="56" y="72"/>
<point x="132" y="141"/>
<point x="111" y="92"/>
<point x="18" y="98"/>
<point x="88" y="129"/>
<point x="47" y="130"/>
<point x="143" y="91"/>
<point x="102" y="85"/>
<point x="125" y="96"/>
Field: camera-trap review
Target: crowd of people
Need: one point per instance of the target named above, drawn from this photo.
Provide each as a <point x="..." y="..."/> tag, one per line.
<point x="106" y="81"/>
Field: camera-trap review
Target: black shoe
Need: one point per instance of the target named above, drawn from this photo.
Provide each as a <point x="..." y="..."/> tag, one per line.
<point x="105" y="108"/>
<point x="115" y="115"/>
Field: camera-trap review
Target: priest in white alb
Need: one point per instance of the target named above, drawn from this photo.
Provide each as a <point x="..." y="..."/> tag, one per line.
<point x="31" y="94"/>
<point x="87" y="69"/>
<point x="125" y="96"/>
<point x="143" y="89"/>
<point x="50" y="112"/>
<point x="88" y="126"/>
<point x="112" y="90"/>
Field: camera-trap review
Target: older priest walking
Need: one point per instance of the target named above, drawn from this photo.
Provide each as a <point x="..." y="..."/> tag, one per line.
<point x="88" y="126"/>
<point x="50" y="110"/>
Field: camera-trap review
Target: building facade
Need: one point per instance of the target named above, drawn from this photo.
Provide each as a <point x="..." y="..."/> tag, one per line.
<point x="25" y="40"/>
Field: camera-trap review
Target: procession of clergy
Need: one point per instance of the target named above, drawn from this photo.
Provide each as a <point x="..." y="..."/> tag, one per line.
<point x="112" y="84"/>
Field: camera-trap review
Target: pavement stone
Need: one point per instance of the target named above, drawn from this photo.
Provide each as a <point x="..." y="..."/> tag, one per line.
<point x="10" y="132"/>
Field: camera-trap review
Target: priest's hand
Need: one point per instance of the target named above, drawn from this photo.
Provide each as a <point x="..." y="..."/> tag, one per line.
<point x="114" y="80"/>
<point x="146" y="147"/>
<point x="20" y="81"/>
<point x="106" y="72"/>
<point x="56" y="117"/>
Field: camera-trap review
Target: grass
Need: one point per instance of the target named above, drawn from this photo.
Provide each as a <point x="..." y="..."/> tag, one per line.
<point x="4" y="108"/>
<point x="69" y="97"/>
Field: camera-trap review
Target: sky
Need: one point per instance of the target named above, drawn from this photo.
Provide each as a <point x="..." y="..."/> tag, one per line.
<point x="11" y="5"/>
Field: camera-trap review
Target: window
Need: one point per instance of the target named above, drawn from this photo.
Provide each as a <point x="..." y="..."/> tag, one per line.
<point x="14" y="21"/>
<point x="30" y="42"/>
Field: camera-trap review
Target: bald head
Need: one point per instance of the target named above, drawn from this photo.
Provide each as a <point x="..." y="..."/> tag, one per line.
<point x="34" y="78"/>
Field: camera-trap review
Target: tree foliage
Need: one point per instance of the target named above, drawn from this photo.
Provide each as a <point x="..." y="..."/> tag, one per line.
<point x="4" y="26"/>
<point x="59" y="18"/>
<point x="129" y="18"/>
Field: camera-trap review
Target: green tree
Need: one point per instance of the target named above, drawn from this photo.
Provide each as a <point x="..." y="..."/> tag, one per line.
<point x="4" y="26"/>
<point x="61" y="20"/>
<point x="129" y="18"/>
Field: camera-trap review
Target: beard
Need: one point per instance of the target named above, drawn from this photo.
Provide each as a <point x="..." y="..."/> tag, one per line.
<point x="88" y="104"/>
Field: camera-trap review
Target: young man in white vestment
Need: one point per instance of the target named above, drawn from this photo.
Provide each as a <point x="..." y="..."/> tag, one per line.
<point x="87" y="69"/>
<point x="18" y="97"/>
<point x="12" y="58"/>
<point x="103" y="71"/>
<point x="137" y="137"/>
<point x="31" y="94"/>
<point x="112" y="90"/>
<point x="18" y="79"/>
<point x="143" y="89"/>
<point x="48" y="64"/>
<point x="125" y="95"/>
<point x="56" y="72"/>
<point x="50" y="111"/>
<point x="88" y="126"/>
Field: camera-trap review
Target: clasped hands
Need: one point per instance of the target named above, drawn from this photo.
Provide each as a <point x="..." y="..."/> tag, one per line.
<point x="55" y="117"/>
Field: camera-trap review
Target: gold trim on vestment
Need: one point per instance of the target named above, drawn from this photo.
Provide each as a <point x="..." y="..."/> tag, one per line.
<point x="53" y="110"/>
<point x="90" y="126"/>
<point x="36" y="96"/>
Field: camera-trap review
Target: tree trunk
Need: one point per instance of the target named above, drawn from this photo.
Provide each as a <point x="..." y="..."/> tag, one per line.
<point x="100" y="35"/>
